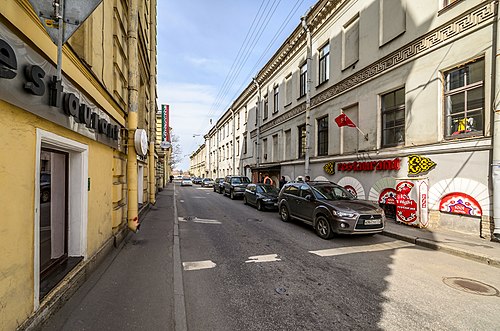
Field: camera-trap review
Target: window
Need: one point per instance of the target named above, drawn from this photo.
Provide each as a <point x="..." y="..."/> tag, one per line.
<point x="245" y="144"/>
<point x="288" y="90"/>
<point x="275" y="148"/>
<point x="246" y="115"/>
<point x="276" y="99"/>
<point x="350" y="41"/>
<point x="449" y="2"/>
<point x="237" y="147"/>
<point x="288" y="144"/>
<point x="302" y="140"/>
<point x="324" y="63"/>
<point x="266" y="107"/>
<point x="264" y="147"/>
<point x="238" y="121"/>
<point x="393" y="118"/>
<point x="303" y="80"/>
<point x="323" y="136"/>
<point x="464" y="99"/>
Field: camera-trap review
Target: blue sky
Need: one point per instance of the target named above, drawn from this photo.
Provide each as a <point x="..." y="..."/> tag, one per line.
<point x="201" y="51"/>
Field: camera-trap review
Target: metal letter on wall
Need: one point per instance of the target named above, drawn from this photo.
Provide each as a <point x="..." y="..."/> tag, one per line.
<point x="75" y="13"/>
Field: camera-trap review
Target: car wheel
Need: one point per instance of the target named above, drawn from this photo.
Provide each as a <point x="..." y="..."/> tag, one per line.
<point x="260" y="207"/>
<point x="45" y="197"/>
<point x="324" y="228"/>
<point x="231" y="194"/>
<point x="284" y="214"/>
<point x="245" y="200"/>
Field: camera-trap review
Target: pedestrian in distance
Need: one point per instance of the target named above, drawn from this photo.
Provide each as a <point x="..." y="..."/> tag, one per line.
<point x="282" y="181"/>
<point x="308" y="179"/>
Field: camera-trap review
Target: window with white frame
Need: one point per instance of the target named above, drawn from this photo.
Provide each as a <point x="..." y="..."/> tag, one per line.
<point x="393" y="118"/>
<point x="288" y="90"/>
<point x="324" y="63"/>
<point x="464" y="99"/>
<point x="276" y="91"/>
<point x="238" y="120"/>
<point x="245" y="144"/>
<point x="303" y="80"/>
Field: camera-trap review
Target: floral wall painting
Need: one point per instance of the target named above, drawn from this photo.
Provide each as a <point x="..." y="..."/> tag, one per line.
<point x="419" y="165"/>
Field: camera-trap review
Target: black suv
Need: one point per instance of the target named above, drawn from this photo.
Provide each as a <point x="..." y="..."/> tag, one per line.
<point x="219" y="185"/>
<point x="235" y="186"/>
<point x="329" y="208"/>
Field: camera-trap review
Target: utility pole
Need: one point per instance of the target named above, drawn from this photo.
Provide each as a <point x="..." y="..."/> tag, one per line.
<point x="308" y="93"/>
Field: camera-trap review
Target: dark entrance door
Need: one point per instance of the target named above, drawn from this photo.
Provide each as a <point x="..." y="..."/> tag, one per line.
<point x="53" y="214"/>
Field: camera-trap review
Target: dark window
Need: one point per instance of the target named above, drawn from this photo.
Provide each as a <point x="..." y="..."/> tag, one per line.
<point x="303" y="80"/>
<point x="292" y="189"/>
<point x="302" y="140"/>
<point x="323" y="136"/>
<point x="324" y="63"/>
<point x="276" y="99"/>
<point x="393" y="118"/>
<point x="266" y="107"/>
<point x="464" y="100"/>
<point x="244" y="144"/>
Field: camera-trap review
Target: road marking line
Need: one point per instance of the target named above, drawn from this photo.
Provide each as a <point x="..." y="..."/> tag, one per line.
<point x="198" y="265"/>
<point x="198" y="197"/>
<point x="179" y="300"/>
<point x="199" y="220"/>
<point x="203" y="188"/>
<point x="181" y="200"/>
<point x="263" y="258"/>
<point x="362" y="249"/>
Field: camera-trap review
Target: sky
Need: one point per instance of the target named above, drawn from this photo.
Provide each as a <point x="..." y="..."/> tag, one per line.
<point x="208" y="52"/>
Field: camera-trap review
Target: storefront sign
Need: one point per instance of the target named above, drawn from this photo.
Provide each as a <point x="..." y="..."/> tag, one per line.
<point x="406" y="207"/>
<point x="418" y="165"/>
<point x="383" y="165"/>
<point x="388" y="197"/>
<point x="28" y="81"/>
<point x="460" y="203"/>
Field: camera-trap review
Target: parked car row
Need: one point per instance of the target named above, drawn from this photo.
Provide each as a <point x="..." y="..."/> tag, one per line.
<point x="329" y="208"/>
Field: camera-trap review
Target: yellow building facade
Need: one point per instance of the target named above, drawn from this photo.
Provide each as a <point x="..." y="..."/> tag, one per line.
<point x="65" y="188"/>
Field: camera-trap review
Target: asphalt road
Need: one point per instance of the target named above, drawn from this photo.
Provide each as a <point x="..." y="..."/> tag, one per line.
<point x="247" y="270"/>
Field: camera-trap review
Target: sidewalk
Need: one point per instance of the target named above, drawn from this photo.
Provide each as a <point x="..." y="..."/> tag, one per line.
<point x="463" y="245"/>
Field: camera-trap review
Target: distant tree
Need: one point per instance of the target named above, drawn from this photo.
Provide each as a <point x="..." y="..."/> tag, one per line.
<point x="176" y="155"/>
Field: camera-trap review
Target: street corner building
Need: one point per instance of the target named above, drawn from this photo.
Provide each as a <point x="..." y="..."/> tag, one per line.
<point x="77" y="159"/>
<point x="393" y="100"/>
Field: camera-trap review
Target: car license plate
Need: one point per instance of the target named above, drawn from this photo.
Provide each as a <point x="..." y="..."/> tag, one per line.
<point x="373" y="222"/>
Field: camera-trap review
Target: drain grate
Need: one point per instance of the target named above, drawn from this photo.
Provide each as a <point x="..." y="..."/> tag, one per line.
<point x="471" y="286"/>
<point x="280" y="290"/>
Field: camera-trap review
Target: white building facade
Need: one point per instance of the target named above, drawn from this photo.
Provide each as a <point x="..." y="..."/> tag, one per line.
<point x="416" y="78"/>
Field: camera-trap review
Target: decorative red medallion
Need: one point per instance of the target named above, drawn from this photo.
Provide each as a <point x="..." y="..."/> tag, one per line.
<point x="406" y="208"/>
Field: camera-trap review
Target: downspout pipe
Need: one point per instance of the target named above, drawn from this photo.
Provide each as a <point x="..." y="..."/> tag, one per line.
<point x="259" y="97"/>
<point x="217" y="151"/>
<point x="495" y="164"/>
<point x="308" y="93"/>
<point x="132" y="118"/>
<point x="152" y="102"/>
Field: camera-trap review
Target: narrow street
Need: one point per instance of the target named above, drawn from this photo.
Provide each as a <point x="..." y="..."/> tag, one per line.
<point x="247" y="270"/>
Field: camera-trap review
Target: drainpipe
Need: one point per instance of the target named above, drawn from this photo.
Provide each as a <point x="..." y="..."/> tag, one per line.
<point x="152" y="103"/>
<point x="258" y="126"/>
<point x="308" y="93"/>
<point x="234" y="142"/>
<point x="495" y="164"/>
<point x="133" y="97"/>
<point x="217" y="152"/>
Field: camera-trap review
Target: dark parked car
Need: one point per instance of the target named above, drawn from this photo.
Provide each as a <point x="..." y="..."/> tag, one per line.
<point x="262" y="196"/>
<point x="330" y="209"/>
<point x="207" y="182"/>
<point x="196" y="180"/>
<point x="235" y="186"/>
<point x="44" y="187"/>
<point x="219" y="185"/>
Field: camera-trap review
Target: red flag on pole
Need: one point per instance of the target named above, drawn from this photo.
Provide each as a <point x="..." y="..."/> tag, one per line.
<point x="343" y="120"/>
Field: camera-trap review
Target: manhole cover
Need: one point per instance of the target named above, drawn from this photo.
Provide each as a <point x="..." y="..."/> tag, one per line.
<point x="470" y="286"/>
<point x="254" y="219"/>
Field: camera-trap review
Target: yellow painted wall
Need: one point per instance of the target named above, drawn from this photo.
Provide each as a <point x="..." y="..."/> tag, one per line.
<point x="17" y="202"/>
